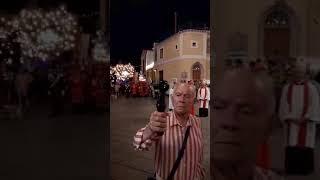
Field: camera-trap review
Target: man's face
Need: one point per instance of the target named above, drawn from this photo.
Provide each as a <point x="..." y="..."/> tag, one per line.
<point x="240" y="120"/>
<point x="182" y="99"/>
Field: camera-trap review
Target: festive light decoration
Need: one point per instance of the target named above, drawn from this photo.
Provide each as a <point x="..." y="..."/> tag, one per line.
<point x="122" y="72"/>
<point x="44" y="34"/>
<point x="9" y="47"/>
<point x="99" y="50"/>
<point x="141" y="78"/>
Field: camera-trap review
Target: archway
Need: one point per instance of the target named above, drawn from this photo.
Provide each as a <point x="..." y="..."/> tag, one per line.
<point x="279" y="32"/>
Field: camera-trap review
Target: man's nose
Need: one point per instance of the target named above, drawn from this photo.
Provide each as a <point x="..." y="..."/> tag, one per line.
<point x="230" y="121"/>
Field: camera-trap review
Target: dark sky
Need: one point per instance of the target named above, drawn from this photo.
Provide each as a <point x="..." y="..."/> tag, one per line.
<point x="136" y="24"/>
<point x="78" y="7"/>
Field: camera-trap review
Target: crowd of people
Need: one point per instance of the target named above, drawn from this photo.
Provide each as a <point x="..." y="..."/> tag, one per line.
<point x="82" y="87"/>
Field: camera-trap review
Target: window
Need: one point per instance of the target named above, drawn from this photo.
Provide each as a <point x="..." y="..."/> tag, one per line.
<point x="161" y="53"/>
<point x="194" y="44"/>
<point x="277" y="18"/>
<point x="208" y="45"/>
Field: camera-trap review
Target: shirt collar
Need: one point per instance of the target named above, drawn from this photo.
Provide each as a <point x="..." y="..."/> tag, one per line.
<point x="173" y="121"/>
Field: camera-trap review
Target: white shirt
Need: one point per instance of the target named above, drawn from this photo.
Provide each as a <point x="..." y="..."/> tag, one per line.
<point x="170" y="98"/>
<point x="292" y="130"/>
<point x="203" y="97"/>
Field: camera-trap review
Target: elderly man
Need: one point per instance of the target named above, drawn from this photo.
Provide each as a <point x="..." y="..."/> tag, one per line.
<point x="168" y="131"/>
<point x="243" y="115"/>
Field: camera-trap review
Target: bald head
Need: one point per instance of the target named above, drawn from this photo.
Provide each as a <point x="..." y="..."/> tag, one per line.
<point x="182" y="98"/>
<point x="187" y="86"/>
<point x="259" y="81"/>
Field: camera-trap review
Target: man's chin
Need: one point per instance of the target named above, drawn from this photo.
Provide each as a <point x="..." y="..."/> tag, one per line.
<point x="226" y="153"/>
<point x="180" y="111"/>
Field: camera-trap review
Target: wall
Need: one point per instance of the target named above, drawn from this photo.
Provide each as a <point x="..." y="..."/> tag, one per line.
<point x="175" y="69"/>
<point x="231" y="16"/>
<point x="314" y="25"/>
<point x="188" y="38"/>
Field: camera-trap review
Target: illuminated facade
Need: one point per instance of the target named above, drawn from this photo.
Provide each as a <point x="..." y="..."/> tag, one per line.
<point x="183" y="56"/>
<point x="254" y="29"/>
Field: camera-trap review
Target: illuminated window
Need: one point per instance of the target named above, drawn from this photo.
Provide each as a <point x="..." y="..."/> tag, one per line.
<point x="194" y="44"/>
<point x="277" y="18"/>
<point x="161" y="53"/>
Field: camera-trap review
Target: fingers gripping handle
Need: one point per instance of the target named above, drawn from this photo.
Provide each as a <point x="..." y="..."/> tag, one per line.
<point x="161" y="103"/>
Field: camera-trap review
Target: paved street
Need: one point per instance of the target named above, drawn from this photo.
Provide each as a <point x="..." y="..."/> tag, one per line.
<point x="127" y="116"/>
<point x="277" y="154"/>
<point x="69" y="147"/>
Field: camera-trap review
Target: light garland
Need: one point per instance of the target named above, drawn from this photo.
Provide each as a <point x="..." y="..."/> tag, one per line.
<point x="44" y="34"/>
<point x="122" y="72"/>
<point x="8" y="43"/>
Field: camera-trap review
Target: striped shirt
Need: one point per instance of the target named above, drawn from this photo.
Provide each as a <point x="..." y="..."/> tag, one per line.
<point x="168" y="145"/>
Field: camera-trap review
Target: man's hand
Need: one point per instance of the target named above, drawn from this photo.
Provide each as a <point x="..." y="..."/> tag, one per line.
<point x="158" y="122"/>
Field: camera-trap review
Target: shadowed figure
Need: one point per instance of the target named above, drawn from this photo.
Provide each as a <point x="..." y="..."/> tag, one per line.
<point x="243" y="117"/>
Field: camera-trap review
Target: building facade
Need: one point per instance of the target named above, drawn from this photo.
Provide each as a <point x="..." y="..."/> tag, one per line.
<point x="183" y="56"/>
<point x="147" y="64"/>
<point x="253" y="29"/>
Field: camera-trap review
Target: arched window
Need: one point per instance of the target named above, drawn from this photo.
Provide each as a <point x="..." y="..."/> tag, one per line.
<point x="277" y="18"/>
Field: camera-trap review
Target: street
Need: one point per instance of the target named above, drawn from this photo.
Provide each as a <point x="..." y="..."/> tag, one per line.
<point x="277" y="156"/>
<point x="38" y="147"/>
<point x="127" y="115"/>
<point x="130" y="114"/>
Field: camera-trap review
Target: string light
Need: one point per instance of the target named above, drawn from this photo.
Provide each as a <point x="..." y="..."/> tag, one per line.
<point x="122" y="71"/>
<point x="44" y="34"/>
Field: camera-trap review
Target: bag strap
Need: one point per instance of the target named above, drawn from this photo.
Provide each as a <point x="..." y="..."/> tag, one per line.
<point x="180" y="155"/>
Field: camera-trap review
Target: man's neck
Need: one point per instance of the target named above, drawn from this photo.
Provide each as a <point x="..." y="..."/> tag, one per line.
<point x="239" y="171"/>
<point x="182" y="118"/>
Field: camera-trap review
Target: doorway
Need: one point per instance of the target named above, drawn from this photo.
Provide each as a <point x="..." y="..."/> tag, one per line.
<point x="277" y="34"/>
<point x="196" y="72"/>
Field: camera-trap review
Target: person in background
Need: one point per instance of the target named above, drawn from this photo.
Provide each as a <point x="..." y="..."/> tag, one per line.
<point x="57" y="92"/>
<point x="203" y="98"/>
<point x="76" y="89"/>
<point x="22" y="82"/>
<point x="117" y="88"/>
<point x="171" y="96"/>
<point x="191" y="83"/>
<point x="299" y="112"/>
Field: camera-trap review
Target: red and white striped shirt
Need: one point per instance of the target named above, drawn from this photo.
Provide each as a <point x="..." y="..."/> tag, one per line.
<point x="168" y="145"/>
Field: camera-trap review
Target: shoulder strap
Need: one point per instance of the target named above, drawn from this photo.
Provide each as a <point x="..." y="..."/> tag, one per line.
<point x="180" y="155"/>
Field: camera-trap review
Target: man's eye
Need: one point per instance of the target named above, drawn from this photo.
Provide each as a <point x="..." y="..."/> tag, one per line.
<point x="218" y="106"/>
<point x="246" y="111"/>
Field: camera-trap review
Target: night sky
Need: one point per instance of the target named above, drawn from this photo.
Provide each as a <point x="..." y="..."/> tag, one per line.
<point x="136" y="24"/>
<point x="78" y="7"/>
